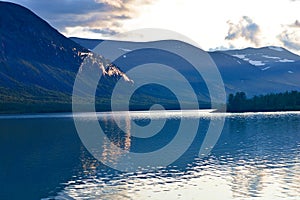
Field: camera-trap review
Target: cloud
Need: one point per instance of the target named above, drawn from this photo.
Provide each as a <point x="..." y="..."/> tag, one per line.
<point x="245" y="29"/>
<point x="222" y="48"/>
<point x="105" y="31"/>
<point x="94" y="14"/>
<point x="290" y="36"/>
<point x="115" y="3"/>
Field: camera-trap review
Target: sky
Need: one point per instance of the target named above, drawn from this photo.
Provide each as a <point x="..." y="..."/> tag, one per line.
<point x="213" y="24"/>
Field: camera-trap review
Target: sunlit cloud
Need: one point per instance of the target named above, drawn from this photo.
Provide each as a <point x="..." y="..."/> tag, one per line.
<point x="97" y="16"/>
<point x="290" y="36"/>
<point x="109" y="21"/>
<point x="245" y="29"/>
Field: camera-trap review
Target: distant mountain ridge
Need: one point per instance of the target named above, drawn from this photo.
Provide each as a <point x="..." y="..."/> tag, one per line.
<point x="87" y="43"/>
<point x="265" y="56"/>
<point x="252" y="70"/>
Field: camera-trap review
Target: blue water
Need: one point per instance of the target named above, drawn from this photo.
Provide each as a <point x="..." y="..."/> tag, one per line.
<point x="256" y="157"/>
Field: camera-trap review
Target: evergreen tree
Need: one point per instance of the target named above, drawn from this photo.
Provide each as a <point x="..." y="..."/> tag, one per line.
<point x="286" y="101"/>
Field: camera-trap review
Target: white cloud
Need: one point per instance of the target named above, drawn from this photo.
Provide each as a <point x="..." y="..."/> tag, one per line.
<point x="290" y="39"/>
<point x="245" y="29"/>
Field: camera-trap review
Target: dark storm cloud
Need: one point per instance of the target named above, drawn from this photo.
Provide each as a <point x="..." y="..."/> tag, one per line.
<point x="245" y="28"/>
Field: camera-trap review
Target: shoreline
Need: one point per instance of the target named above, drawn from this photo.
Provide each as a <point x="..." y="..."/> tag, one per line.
<point x="145" y="113"/>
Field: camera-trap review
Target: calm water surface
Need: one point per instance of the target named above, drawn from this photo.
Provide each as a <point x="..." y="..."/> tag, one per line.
<point x="256" y="157"/>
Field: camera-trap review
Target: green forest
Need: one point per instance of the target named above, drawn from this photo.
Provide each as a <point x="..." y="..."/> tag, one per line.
<point x="287" y="101"/>
<point x="239" y="102"/>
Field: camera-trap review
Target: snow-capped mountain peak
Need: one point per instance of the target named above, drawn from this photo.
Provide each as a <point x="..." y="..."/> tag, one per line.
<point x="265" y="56"/>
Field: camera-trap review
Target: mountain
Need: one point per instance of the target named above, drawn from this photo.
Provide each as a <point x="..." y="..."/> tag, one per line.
<point x="279" y="68"/>
<point x="264" y="57"/>
<point x="87" y="43"/>
<point x="154" y="93"/>
<point x="252" y="70"/>
<point x="38" y="65"/>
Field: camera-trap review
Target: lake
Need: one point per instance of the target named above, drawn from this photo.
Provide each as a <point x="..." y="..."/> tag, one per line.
<point x="257" y="156"/>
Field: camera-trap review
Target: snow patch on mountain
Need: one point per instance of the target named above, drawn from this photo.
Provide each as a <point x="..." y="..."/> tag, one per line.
<point x="252" y="62"/>
<point x="256" y="62"/>
<point x="271" y="57"/>
<point x="261" y="60"/>
<point x="266" y="68"/>
<point x="126" y="50"/>
<point x="275" y="48"/>
<point x="286" y="60"/>
<point x="241" y="56"/>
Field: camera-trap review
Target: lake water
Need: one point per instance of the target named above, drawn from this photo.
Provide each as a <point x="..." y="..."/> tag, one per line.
<point x="256" y="157"/>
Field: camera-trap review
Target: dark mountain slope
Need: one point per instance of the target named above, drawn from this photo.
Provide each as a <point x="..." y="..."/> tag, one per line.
<point x="33" y="53"/>
<point x="37" y="64"/>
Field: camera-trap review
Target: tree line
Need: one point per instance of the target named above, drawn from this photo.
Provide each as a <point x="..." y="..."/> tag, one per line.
<point x="286" y="101"/>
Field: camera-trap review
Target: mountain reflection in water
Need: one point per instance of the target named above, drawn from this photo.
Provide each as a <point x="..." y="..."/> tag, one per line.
<point x="257" y="156"/>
